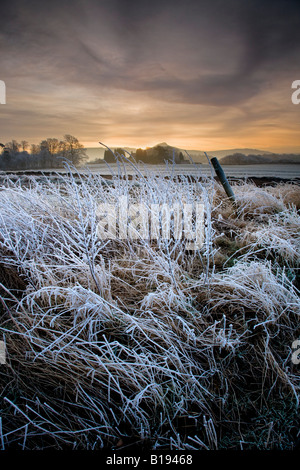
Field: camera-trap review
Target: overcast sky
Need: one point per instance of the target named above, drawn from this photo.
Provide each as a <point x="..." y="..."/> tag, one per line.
<point x="197" y="74"/>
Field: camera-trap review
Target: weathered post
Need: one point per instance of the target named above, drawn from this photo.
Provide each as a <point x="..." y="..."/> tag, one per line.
<point x="223" y="180"/>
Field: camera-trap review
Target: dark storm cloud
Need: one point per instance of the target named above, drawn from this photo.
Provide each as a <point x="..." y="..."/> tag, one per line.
<point x="212" y="52"/>
<point x="129" y="67"/>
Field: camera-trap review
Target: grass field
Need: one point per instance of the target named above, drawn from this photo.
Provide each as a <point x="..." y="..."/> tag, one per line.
<point x="143" y="343"/>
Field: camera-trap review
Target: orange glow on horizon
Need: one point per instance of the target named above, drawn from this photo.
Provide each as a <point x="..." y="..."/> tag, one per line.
<point x="277" y="146"/>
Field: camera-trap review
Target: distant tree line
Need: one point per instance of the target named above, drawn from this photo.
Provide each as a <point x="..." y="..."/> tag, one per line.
<point x="154" y="155"/>
<point x="111" y="156"/>
<point x="253" y="159"/>
<point x="158" y="154"/>
<point x="50" y="153"/>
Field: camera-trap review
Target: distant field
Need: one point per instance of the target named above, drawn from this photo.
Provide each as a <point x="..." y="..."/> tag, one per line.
<point x="284" y="171"/>
<point x="288" y="171"/>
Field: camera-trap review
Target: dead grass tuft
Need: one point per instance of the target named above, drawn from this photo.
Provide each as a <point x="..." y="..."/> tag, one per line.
<point x="145" y="342"/>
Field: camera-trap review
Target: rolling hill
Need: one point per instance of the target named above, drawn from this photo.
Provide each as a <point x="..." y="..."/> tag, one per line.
<point x="237" y="156"/>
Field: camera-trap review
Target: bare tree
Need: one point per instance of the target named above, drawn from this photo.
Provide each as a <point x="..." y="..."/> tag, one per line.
<point x="24" y="145"/>
<point x="13" y="147"/>
<point x="51" y="145"/>
<point x="73" y="150"/>
<point x="34" y="149"/>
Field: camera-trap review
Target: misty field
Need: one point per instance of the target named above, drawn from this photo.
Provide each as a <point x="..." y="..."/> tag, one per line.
<point x="145" y="343"/>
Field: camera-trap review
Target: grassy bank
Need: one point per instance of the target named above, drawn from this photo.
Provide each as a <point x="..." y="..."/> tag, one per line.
<point x="147" y="343"/>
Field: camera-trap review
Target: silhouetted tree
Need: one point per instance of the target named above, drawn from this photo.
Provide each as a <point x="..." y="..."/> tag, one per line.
<point x="50" y="145"/>
<point x="48" y="154"/>
<point x="141" y="155"/>
<point x="13" y="147"/>
<point x="24" y="145"/>
<point x="72" y="149"/>
<point x="109" y="156"/>
<point x="34" y="149"/>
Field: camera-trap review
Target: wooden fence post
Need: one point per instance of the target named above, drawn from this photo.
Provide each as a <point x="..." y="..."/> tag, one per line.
<point x="223" y="180"/>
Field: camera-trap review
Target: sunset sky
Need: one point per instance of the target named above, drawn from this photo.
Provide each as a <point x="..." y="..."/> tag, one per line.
<point x="196" y="74"/>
